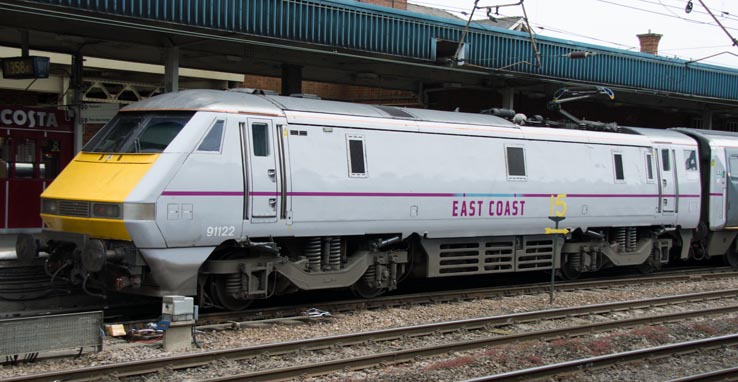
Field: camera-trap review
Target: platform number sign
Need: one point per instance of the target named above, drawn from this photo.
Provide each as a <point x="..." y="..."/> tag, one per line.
<point x="558" y="205"/>
<point x="557" y="213"/>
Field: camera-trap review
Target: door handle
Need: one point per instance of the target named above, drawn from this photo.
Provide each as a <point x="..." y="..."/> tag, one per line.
<point x="272" y="172"/>
<point x="664" y="182"/>
<point x="273" y="202"/>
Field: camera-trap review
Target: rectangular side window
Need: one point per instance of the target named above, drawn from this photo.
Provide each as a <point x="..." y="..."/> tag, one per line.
<point x="690" y="160"/>
<point x="515" y="163"/>
<point x="213" y="139"/>
<point x="649" y="166"/>
<point x="357" y="156"/>
<point x="619" y="173"/>
<point x="733" y="166"/>
<point x="665" y="162"/>
<point x="260" y="139"/>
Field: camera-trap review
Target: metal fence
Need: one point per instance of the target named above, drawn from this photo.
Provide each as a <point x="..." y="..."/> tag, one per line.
<point x="54" y="332"/>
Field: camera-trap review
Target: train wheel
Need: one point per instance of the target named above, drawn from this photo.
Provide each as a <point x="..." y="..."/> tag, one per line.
<point x="366" y="287"/>
<point x="571" y="270"/>
<point x="224" y="289"/>
<point x="731" y="258"/>
<point x="651" y="264"/>
<point x="221" y="295"/>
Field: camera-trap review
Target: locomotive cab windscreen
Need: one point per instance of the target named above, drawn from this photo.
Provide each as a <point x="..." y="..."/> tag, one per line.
<point x="138" y="133"/>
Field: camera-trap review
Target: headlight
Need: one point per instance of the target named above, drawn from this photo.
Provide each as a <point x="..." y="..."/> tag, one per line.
<point x="50" y="206"/>
<point x="106" y="210"/>
<point x="139" y="211"/>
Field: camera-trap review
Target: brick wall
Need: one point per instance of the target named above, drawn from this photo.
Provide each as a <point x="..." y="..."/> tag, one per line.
<point x="398" y="4"/>
<point x="324" y="90"/>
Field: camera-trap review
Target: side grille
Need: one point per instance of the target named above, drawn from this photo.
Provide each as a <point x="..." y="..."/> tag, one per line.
<point x="486" y="255"/>
<point x="74" y="208"/>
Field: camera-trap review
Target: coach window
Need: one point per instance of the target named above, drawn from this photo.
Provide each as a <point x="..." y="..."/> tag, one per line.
<point x="619" y="173"/>
<point x="214" y="138"/>
<point x="649" y="167"/>
<point x="665" y="162"/>
<point x="690" y="160"/>
<point x="515" y="163"/>
<point x="357" y="156"/>
<point x="260" y="139"/>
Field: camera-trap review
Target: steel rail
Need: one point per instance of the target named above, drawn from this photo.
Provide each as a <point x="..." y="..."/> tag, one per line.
<point x="199" y="359"/>
<point x="615" y="359"/>
<point x="550" y="314"/>
<point x="729" y="374"/>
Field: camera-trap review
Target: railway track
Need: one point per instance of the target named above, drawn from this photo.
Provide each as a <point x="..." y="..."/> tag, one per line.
<point x="335" y="343"/>
<point x="681" y="348"/>
<point x="27" y="290"/>
<point x="215" y="320"/>
<point x="729" y="374"/>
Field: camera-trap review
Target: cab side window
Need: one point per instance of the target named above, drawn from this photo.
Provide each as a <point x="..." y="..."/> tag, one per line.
<point x="213" y="139"/>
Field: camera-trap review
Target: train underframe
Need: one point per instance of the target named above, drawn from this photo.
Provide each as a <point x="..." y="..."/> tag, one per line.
<point x="237" y="273"/>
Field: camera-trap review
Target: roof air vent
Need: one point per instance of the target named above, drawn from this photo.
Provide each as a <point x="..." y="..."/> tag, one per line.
<point x="305" y="95"/>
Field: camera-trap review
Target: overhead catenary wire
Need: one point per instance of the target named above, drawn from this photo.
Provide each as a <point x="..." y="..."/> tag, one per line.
<point x="659" y="13"/>
<point x="671" y="8"/>
<point x="654" y="8"/>
<point x="735" y="42"/>
<point x="661" y="3"/>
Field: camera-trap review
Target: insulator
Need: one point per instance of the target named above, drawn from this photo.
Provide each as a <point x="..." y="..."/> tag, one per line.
<point x="578" y="54"/>
<point x="632" y="239"/>
<point x="621" y="238"/>
<point x="335" y="254"/>
<point x="232" y="283"/>
<point x="313" y="253"/>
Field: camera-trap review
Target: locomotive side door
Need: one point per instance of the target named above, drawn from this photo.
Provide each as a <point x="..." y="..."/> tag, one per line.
<point x="731" y="216"/>
<point x="262" y="178"/>
<point x="668" y="190"/>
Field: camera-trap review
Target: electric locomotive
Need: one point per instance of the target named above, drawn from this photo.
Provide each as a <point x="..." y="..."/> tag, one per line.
<point x="231" y="197"/>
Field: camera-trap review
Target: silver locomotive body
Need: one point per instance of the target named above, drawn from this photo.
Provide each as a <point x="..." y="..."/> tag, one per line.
<point x="260" y="195"/>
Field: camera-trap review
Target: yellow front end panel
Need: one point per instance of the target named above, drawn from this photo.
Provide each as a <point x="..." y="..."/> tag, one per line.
<point x="97" y="228"/>
<point x="97" y="178"/>
<point x="100" y="177"/>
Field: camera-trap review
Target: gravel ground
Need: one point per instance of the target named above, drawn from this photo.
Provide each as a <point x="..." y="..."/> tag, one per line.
<point x="489" y="361"/>
<point x="452" y="367"/>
